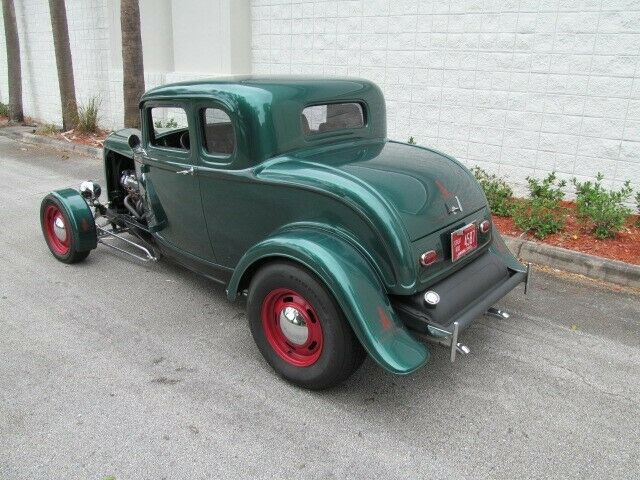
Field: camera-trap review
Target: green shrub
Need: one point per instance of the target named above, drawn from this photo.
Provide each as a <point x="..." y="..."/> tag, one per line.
<point x="542" y="214"/>
<point x="548" y="189"/>
<point x="603" y="209"/>
<point x="169" y="123"/>
<point x="498" y="193"/>
<point x="4" y="110"/>
<point x="88" y="116"/>
<point x="541" y="217"/>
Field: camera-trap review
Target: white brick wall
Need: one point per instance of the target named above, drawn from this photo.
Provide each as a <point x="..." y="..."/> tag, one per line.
<point x="89" y="30"/>
<point x="519" y="87"/>
<point x="94" y="33"/>
<point x="88" y="36"/>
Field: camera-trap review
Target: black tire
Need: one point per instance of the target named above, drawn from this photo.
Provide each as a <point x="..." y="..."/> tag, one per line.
<point x="65" y="251"/>
<point x="341" y="352"/>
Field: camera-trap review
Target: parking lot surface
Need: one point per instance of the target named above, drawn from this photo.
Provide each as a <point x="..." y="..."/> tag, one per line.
<point x="117" y="368"/>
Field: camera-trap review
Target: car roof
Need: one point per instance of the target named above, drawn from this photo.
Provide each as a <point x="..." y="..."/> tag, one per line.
<point x="280" y="86"/>
<point x="270" y="107"/>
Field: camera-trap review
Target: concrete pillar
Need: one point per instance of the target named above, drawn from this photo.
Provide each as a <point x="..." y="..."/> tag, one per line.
<point x="157" y="35"/>
<point x="211" y="36"/>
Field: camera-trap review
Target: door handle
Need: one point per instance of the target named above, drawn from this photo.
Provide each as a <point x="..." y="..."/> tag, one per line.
<point x="188" y="171"/>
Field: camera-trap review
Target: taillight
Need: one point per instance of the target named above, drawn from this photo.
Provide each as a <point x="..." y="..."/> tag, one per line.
<point x="485" y="226"/>
<point x="428" y="258"/>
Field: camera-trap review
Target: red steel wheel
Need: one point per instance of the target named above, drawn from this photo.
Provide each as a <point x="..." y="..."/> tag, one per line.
<point x="57" y="230"/>
<point x="60" y="232"/>
<point x="299" y="328"/>
<point x="292" y="327"/>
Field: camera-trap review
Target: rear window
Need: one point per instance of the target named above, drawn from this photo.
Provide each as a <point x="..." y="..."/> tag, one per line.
<point x="331" y="117"/>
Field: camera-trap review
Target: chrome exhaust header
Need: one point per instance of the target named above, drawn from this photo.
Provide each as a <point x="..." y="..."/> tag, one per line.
<point x="146" y="255"/>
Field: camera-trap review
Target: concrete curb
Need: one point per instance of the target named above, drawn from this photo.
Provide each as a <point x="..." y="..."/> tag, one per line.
<point x="590" y="266"/>
<point x="27" y="136"/>
<point x="598" y="268"/>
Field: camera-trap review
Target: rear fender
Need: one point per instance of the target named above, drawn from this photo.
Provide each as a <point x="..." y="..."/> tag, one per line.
<point x="355" y="286"/>
<point x="81" y="218"/>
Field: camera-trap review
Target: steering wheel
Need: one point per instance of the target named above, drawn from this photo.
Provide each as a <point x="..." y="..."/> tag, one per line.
<point x="184" y="140"/>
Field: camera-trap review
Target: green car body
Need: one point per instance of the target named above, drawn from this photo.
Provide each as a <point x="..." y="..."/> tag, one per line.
<point x="355" y="208"/>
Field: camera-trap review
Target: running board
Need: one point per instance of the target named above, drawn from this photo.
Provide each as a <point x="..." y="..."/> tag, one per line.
<point x="147" y="254"/>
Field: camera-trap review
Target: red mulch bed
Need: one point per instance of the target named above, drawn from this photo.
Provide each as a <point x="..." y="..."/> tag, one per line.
<point x="625" y="246"/>
<point x="91" y="139"/>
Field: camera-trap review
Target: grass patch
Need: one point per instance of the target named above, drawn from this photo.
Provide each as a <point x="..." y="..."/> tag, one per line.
<point x="47" y="129"/>
<point x="88" y="116"/>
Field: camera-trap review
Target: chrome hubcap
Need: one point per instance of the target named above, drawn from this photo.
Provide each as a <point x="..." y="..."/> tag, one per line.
<point x="59" y="229"/>
<point x="293" y="325"/>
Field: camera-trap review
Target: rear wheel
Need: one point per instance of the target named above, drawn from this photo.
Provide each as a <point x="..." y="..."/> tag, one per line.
<point x="299" y="329"/>
<point x="56" y="228"/>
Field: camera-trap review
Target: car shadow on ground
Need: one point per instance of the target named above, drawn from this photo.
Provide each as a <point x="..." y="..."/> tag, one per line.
<point x="502" y="351"/>
<point x="370" y="383"/>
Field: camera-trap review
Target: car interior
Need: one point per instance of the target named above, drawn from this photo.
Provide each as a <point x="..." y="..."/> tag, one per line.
<point x="338" y="116"/>
<point x="218" y="138"/>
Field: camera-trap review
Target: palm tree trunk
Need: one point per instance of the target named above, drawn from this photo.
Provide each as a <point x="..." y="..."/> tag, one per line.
<point x="132" y="64"/>
<point x="64" y="62"/>
<point x="16" y="114"/>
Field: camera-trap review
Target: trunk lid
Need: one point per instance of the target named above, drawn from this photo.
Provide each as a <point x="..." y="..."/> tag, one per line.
<point x="424" y="186"/>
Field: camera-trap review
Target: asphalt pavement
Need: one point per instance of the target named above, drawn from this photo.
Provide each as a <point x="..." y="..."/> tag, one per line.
<point x="113" y="368"/>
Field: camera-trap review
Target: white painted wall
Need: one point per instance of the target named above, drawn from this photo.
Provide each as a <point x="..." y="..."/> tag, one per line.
<point x="182" y="39"/>
<point x="157" y="35"/>
<point x="519" y="87"/>
<point x="211" y="37"/>
<point x="88" y="36"/>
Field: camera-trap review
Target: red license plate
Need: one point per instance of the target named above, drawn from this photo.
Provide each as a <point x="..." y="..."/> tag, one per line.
<point x="463" y="241"/>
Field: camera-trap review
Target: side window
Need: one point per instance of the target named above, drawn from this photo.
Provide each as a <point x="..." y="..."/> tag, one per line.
<point x="331" y="117"/>
<point x="219" y="137"/>
<point x="170" y="127"/>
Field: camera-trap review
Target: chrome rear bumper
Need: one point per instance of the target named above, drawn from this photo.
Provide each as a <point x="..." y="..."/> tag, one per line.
<point x="465" y="296"/>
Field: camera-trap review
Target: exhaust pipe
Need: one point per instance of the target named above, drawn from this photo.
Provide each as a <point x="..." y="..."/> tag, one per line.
<point x="462" y="348"/>
<point x="496" y="312"/>
<point x="449" y="340"/>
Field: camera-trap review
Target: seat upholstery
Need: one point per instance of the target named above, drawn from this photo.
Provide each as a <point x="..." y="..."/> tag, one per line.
<point x="340" y="116"/>
<point x="219" y="138"/>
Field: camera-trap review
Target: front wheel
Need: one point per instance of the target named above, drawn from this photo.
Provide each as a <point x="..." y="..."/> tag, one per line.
<point x="57" y="231"/>
<point x="299" y="329"/>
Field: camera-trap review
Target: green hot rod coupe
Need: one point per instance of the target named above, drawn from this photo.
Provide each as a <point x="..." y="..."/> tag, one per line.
<point x="287" y="190"/>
